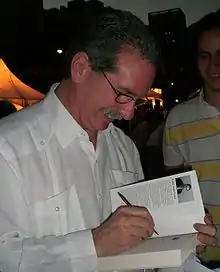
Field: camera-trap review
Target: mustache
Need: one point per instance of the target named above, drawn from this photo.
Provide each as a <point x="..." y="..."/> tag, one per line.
<point x="112" y="114"/>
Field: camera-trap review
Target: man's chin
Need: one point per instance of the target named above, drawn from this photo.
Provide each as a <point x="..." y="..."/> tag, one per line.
<point x="215" y="89"/>
<point x="104" y="125"/>
<point x="214" y="85"/>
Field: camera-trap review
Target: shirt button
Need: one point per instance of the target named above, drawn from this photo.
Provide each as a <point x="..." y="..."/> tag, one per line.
<point x="100" y="196"/>
<point x="16" y="235"/>
<point x="57" y="209"/>
<point x="42" y="142"/>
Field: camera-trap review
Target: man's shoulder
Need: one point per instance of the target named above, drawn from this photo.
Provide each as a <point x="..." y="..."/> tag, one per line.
<point x="185" y="112"/>
<point x="21" y="119"/>
<point x="17" y="129"/>
<point x="186" y="106"/>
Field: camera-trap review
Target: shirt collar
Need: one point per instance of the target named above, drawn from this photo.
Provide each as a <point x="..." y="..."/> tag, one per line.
<point x="202" y="97"/>
<point x="212" y="111"/>
<point x="63" y="124"/>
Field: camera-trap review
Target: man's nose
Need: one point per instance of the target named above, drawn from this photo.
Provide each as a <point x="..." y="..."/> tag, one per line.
<point x="127" y="110"/>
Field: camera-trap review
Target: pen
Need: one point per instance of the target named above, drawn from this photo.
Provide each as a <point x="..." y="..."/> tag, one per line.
<point x="129" y="204"/>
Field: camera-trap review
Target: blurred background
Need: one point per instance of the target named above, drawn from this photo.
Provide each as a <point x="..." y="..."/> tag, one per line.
<point x="35" y="36"/>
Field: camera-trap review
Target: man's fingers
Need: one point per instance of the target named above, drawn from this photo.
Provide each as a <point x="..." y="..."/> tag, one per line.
<point x="136" y="211"/>
<point x="143" y="224"/>
<point x="141" y="233"/>
<point x="128" y="220"/>
<point x="206" y="239"/>
<point x="209" y="230"/>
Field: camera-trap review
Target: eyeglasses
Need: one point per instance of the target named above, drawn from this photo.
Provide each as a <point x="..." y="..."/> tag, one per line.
<point x="122" y="98"/>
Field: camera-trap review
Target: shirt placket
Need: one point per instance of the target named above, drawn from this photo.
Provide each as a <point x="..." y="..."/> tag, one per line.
<point x="93" y="156"/>
<point x="58" y="210"/>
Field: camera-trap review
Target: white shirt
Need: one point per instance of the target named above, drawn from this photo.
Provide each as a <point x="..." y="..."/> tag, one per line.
<point x="55" y="187"/>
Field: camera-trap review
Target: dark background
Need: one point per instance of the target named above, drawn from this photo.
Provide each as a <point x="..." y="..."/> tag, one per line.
<point x="30" y="37"/>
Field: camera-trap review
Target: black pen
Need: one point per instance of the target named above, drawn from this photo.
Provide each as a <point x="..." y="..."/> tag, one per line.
<point x="129" y="204"/>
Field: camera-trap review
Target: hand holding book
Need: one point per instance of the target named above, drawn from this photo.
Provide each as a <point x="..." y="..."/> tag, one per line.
<point x="206" y="233"/>
<point x="175" y="203"/>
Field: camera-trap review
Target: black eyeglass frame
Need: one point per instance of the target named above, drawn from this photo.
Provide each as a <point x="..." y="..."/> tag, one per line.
<point x="119" y="94"/>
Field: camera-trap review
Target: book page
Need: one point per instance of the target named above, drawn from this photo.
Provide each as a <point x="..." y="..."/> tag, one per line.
<point x="174" y="202"/>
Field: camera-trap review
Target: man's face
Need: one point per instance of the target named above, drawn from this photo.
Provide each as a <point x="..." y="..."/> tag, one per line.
<point x="209" y="59"/>
<point x="133" y="76"/>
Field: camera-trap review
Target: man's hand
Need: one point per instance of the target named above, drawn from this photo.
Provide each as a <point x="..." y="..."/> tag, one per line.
<point x="126" y="227"/>
<point x="206" y="233"/>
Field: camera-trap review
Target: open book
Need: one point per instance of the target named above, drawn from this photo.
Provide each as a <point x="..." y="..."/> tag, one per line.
<point x="175" y="204"/>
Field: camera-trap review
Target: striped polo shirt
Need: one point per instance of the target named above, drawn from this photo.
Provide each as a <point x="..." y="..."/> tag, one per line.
<point x="192" y="136"/>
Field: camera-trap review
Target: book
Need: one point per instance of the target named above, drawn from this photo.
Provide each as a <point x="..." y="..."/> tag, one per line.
<point x="162" y="252"/>
<point x="175" y="204"/>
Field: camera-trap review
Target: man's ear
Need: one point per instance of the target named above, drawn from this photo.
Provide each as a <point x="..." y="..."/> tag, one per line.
<point x="80" y="67"/>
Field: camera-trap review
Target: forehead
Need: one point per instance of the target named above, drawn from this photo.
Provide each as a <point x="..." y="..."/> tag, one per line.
<point x="134" y="71"/>
<point x="210" y="40"/>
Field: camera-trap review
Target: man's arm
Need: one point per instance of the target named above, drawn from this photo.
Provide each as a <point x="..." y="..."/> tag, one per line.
<point x="78" y="251"/>
<point x="19" y="251"/>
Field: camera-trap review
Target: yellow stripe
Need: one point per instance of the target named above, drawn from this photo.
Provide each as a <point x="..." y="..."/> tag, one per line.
<point x="215" y="212"/>
<point x="211" y="253"/>
<point x="207" y="170"/>
<point x="193" y="130"/>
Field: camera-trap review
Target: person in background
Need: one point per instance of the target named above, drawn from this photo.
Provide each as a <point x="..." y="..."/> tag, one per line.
<point x="192" y="131"/>
<point x="60" y="157"/>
